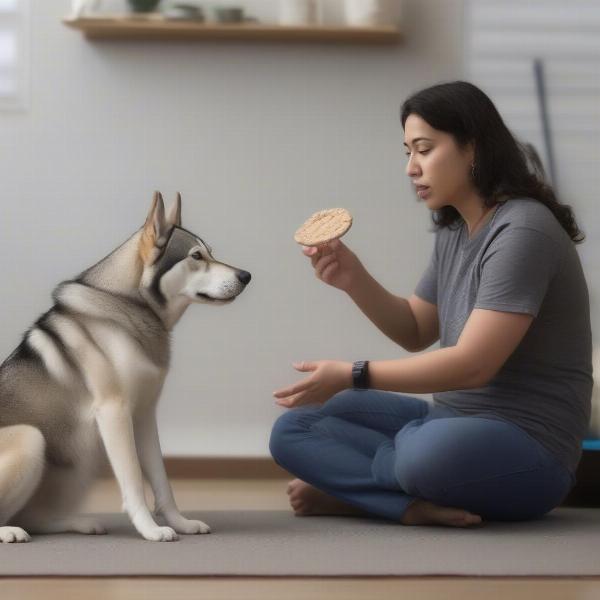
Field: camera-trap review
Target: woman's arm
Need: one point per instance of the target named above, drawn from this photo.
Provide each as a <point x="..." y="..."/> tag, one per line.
<point x="391" y="314"/>
<point x="338" y="266"/>
<point x="436" y="371"/>
<point x="488" y="338"/>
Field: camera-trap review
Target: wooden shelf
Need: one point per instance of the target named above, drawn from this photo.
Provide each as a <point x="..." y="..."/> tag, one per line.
<point x="159" y="28"/>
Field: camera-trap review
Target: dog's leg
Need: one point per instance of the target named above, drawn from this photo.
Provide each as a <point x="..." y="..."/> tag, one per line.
<point x="21" y="469"/>
<point x="148" y="446"/>
<point x="75" y="524"/>
<point x="53" y="507"/>
<point x="116" y="429"/>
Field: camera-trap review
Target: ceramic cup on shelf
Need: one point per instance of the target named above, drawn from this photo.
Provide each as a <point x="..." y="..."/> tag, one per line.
<point x="363" y="13"/>
<point x="297" y="12"/>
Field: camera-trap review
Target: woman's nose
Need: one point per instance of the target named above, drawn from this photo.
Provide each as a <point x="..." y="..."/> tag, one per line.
<point x="412" y="168"/>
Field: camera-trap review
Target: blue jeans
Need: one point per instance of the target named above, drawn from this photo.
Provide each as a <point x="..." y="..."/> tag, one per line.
<point x="380" y="451"/>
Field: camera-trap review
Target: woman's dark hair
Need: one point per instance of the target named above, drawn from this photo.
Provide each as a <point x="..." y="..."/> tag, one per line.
<point x="503" y="167"/>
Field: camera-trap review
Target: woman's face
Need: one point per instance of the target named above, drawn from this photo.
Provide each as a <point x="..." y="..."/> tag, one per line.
<point x="439" y="169"/>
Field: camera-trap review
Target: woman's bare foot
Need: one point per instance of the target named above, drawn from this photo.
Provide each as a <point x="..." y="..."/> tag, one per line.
<point x="423" y="512"/>
<point x="307" y="500"/>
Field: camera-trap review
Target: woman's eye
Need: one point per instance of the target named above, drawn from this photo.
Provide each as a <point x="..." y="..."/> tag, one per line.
<point x="196" y="255"/>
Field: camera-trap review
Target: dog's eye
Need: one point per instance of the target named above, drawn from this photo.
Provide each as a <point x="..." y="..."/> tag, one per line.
<point x="196" y="255"/>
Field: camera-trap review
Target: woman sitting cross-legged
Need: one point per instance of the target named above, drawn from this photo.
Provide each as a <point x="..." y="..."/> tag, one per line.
<point x="505" y="295"/>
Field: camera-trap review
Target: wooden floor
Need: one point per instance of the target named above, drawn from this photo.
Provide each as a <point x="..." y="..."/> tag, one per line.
<point x="222" y="494"/>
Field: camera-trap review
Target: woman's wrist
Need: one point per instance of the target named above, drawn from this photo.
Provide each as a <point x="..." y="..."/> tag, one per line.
<point x="347" y="378"/>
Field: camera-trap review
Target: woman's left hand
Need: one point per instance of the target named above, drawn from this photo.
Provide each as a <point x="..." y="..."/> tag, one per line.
<point x="327" y="379"/>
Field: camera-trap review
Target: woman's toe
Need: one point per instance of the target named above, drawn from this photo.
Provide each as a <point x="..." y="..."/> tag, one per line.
<point x="300" y="510"/>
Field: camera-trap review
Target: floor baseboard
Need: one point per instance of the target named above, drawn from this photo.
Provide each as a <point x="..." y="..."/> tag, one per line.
<point x="194" y="467"/>
<point x="585" y="493"/>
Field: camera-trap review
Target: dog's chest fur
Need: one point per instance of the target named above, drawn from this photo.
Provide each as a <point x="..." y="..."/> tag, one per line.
<point x="123" y="370"/>
<point x="117" y="370"/>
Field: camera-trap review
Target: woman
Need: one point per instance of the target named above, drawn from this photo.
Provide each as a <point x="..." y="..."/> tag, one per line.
<point x="506" y="297"/>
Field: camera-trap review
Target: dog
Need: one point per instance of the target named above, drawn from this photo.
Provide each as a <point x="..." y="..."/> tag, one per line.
<point x="83" y="385"/>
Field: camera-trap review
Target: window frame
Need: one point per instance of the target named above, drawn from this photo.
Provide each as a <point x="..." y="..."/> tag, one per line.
<point x="17" y="22"/>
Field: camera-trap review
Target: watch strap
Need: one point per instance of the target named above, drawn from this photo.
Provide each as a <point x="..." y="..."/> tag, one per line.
<point x="360" y="374"/>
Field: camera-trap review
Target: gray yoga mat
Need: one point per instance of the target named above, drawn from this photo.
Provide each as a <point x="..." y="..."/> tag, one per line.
<point x="276" y="543"/>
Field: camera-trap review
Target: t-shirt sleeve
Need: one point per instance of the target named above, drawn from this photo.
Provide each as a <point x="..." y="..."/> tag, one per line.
<point x="428" y="284"/>
<point x="516" y="271"/>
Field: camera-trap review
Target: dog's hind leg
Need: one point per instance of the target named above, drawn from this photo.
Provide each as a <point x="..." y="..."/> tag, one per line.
<point x="22" y="463"/>
<point x="74" y="524"/>
<point x="53" y="506"/>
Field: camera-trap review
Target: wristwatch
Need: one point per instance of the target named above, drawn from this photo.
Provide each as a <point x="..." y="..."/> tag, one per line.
<point x="360" y="374"/>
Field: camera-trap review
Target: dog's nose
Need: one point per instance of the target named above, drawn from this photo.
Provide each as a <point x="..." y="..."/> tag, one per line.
<point x="244" y="277"/>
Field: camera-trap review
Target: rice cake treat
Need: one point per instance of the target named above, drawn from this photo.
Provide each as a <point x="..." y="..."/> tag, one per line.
<point x="324" y="226"/>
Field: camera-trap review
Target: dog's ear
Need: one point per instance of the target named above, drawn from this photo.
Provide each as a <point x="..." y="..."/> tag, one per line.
<point x="156" y="231"/>
<point x="174" y="216"/>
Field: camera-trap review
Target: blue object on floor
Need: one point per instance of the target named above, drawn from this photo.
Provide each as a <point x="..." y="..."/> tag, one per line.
<point x="591" y="444"/>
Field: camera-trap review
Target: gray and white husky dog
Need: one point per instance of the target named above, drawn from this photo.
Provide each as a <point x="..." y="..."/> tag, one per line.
<point x="84" y="383"/>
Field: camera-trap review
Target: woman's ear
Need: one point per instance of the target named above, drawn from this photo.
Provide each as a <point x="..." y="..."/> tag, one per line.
<point x="468" y="156"/>
<point x="471" y="153"/>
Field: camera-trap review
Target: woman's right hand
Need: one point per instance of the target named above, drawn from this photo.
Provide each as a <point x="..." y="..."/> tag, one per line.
<point x="335" y="264"/>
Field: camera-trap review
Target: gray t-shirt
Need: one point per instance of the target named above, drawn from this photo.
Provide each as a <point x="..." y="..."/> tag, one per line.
<point x="521" y="261"/>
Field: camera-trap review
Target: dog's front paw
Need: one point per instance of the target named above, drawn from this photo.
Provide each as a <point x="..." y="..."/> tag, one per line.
<point x="10" y="535"/>
<point x="161" y="534"/>
<point x="188" y="526"/>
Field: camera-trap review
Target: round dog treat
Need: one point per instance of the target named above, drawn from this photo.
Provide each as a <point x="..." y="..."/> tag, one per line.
<point x="324" y="226"/>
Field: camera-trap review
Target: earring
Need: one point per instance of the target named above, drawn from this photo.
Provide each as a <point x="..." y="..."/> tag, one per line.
<point x="473" y="170"/>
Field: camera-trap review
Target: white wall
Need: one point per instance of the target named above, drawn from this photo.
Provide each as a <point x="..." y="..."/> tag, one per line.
<point x="256" y="137"/>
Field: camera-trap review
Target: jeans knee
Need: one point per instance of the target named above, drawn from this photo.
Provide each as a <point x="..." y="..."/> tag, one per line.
<point x="279" y="433"/>
<point x="344" y="401"/>
<point x="288" y="426"/>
